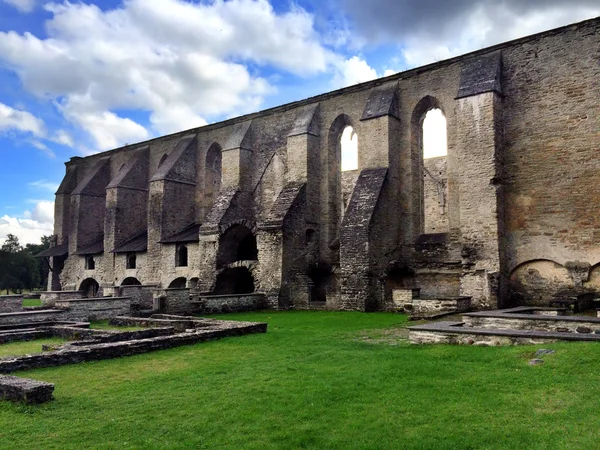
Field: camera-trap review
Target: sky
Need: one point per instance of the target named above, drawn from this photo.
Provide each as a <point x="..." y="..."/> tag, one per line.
<point x="78" y="78"/>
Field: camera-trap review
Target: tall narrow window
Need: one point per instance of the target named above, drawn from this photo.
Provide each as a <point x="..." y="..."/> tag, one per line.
<point x="90" y="264"/>
<point x="182" y="256"/>
<point x="212" y="179"/>
<point x="349" y="146"/>
<point x="435" y="178"/>
<point x="131" y="260"/>
<point x="434" y="134"/>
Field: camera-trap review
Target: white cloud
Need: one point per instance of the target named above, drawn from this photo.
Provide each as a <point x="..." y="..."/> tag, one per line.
<point x="45" y="185"/>
<point x="22" y="5"/>
<point x="353" y="71"/>
<point x="109" y="130"/>
<point x="32" y="226"/>
<point x="183" y="63"/>
<point x="14" y="119"/>
<point x="483" y="27"/>
<point x="64" y="138"/>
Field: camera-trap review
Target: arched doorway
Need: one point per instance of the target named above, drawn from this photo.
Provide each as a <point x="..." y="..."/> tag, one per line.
<point x="89" y="287"/>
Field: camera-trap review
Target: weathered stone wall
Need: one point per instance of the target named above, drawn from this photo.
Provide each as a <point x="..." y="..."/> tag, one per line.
<point x="517" y="186"/>
<point x="217" y="304"/>
<point x="435" y="182"/>
<point x="11" y="303"/>
<point x="48" y="298"/>
<point x="85" y="309"/>
<point x="25" y="317"/>
<point x="173" y="301"/>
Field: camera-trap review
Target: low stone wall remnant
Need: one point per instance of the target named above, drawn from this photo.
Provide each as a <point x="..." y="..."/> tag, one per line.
<point x="100" y="308"/>
<point x="25" y="390"/>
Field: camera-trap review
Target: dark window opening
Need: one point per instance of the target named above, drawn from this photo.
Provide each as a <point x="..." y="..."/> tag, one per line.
<point x="310" y="236"/>
<point x="178" y="283"/>
<point x="90" y="264"/>
<point x="131" y="260"/>
<point x="237" y="244"/>
<point x="182" y="256"/>
<point x="131" y="281"/>
<point x="237" y="280"/>
<point x="247" y="250"/>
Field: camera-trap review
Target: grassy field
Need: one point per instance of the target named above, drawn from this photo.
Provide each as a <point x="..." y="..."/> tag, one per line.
<point x="27" y="347"/>
<point x="32" y="302"/>
<point x="318" y="380"/>
<point x="104" y="325"/>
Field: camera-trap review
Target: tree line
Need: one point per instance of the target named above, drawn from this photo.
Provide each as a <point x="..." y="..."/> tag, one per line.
<point x="19" y="269"/>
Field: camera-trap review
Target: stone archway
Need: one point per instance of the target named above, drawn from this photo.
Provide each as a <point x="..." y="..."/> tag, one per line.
<point x="131" y="281"/>
<point x="89" y="287"/>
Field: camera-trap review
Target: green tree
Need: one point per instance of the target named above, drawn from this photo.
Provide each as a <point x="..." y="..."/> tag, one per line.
<point x="41" y="263"/>
<point x="11" y="245"/>
<point x="18" y="268"/>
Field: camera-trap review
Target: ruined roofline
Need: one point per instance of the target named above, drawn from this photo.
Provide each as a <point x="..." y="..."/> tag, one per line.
<point x="356" y="87"/>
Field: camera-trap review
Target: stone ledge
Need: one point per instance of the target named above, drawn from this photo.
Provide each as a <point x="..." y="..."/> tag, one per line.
<point x="509" y="314"/>
<point x="92" y="299"/>
<point x="457" y="328"/>
<point x="25" y="390"/>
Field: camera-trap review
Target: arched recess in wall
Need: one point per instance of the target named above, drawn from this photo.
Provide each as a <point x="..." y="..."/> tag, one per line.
<point x="131" y="281"/>
<point x="89" y="287"/>
<point x="178" y="283"/>
<point x="237" y="243"/>
<point x="212" y="175"/>
<point x="537" y="282"/>
<point x="234" y="280"/>
<point x="429" y="148"/>
<point x="163" y="158"/>
<point x="342" y="126"/>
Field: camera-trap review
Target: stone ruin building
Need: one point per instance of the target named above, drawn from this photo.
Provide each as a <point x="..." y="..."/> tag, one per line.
<point x="256" y="211"/>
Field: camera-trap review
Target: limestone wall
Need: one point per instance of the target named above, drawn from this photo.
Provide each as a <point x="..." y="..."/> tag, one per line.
<point x="517" y="186"/>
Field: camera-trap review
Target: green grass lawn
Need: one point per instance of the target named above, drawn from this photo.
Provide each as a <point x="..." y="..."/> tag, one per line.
<point x="27" y="347"/>
<point x="318" y="380"/>
<point x="104" y="325"/>
<point x="32" y="302"/>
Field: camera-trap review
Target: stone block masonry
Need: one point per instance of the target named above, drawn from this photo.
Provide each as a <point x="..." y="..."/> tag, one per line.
<point x="25" y="390"/>
<point x="11" y="303"/>
<point x="258" y="204"/>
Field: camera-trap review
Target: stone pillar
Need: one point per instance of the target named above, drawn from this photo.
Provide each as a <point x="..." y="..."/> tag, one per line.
<point x="479" y="157"/>
<point x="377" y="151"/>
